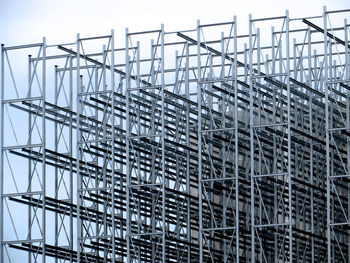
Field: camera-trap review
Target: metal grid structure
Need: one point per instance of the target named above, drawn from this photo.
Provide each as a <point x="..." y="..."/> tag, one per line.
<point x="201" y="145"/>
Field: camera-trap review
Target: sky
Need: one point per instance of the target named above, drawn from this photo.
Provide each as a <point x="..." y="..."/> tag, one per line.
<point x="27" y="21"/>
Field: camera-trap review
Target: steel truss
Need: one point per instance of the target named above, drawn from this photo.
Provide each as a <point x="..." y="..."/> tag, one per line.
<point x="201" y="145"/>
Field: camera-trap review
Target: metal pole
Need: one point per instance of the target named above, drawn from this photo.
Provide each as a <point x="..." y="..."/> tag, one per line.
<point x="199" y="123"/>
<point x="236" y="136"/>
<point x="30" y="115"/>
<point x="188" y="175"/>
<point x="311" y="119"/>
<point x="79" y="89"/>
<point x="128" y="174"/>
<point x="2" y="83"/>
<point x="325" y="86"/>
<point x="71" y="191"/>
<point x="113" y="177"/>
<point x="56" y="150"/>
<point x="163" y="148"/>
<point x="290" y="192"/>
<point x="251" y="130"/>
<point x="44" y="147"/>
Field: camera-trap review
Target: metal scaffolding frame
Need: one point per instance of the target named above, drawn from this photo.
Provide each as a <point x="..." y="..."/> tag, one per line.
<point x="200" y="145"/>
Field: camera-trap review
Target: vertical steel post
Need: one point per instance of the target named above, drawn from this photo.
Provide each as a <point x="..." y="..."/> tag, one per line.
<point x="71" y="234"/>
<point x="311" y="118"/>
<point x="56" y="149"/>
<point x="128" y="175"/>
<point x="236" y="135"/>
<point x="163" y="148"/>
<point x="290" y="192"/>
<point x="29" y="161"/>
<point x="44" y="147"/>
<point x="113" y="177"/>
<point x="79" y="89"/>
<point x="2" y="83"/>
<point x="325" y="87"/>
<point x="199" y="134"/>
<point x="188" y="174"/>
<point x="251" y="131"/>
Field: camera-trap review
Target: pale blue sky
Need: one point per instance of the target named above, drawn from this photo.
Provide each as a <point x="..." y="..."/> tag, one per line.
<point x="26" y="21"/>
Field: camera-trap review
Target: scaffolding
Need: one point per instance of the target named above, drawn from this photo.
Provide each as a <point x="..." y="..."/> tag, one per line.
<point x="200" y="145"/>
